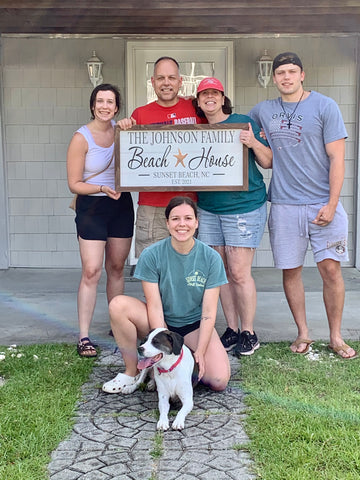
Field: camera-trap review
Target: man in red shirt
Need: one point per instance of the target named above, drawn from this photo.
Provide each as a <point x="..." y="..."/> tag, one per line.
<point x="168" y="109"/>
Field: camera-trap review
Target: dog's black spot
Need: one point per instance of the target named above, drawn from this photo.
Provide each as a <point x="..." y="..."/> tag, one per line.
<point x="165" y="341"/>
<point x="168" y="342"/>
<point x="162" y="342"/>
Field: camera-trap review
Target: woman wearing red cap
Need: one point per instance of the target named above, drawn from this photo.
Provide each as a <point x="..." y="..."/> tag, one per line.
<point x="233" y="222"/>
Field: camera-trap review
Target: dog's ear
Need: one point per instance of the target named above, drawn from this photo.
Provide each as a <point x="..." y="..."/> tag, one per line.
<point x="177" y="342"/>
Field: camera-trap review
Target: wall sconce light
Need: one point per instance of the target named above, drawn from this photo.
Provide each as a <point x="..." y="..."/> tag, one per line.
<point x="94" y="66"/>
<point x="264" y="69"/>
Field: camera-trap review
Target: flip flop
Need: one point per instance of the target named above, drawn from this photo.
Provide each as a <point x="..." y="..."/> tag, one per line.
<point x="343" y="348"/>
<point x="299" y="341"/>
<point x="123" y="383"/>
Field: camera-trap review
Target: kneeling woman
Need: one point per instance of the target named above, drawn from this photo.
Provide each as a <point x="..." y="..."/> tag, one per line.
<point x="181" y="279"/>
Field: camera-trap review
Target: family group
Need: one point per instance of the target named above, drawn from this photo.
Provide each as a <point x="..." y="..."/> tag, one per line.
<point x="196" y="247"/>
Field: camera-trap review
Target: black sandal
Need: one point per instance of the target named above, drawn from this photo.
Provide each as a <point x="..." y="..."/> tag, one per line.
<point x="86" y="348"/>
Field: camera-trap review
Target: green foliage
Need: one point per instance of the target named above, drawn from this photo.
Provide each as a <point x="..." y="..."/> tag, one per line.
<point x="304" y="415"/>
<point x="158" y="448"/>
<point x="37" y="403"/>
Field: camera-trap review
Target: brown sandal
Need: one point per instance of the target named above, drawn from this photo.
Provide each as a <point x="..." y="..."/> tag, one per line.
<point x="298" y="342"/>
<point x="86" y="348"/>
<point x="343" y="348"/>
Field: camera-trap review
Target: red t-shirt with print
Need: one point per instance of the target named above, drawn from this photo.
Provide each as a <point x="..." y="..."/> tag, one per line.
<point x="182" y="113"/>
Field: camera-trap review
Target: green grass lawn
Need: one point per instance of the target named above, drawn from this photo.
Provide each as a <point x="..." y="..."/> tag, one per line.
<point x="37" y="403"/>
<point x="303" y="415"/>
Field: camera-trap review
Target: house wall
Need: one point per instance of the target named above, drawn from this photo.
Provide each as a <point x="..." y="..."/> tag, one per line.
<point x="46" y="93"/>
<point x="46" y="90"/>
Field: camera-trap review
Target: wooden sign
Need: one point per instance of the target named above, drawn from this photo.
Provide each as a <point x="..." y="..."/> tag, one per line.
<point x="181" y="157"/>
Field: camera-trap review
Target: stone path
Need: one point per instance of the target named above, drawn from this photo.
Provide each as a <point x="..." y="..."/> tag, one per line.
<point x="114" y="436"/>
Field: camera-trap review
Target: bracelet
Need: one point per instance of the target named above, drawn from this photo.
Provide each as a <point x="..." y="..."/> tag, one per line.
<point x="101" y="188"/>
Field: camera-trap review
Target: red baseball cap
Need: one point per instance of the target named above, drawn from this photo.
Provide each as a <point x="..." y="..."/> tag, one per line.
<point x="210" y="82"/>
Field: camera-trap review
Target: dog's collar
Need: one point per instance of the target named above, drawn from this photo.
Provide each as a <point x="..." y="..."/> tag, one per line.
<point x="162" y="370"/>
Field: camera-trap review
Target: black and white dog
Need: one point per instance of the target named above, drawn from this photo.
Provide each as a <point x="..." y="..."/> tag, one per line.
<point x="173" y="365"/>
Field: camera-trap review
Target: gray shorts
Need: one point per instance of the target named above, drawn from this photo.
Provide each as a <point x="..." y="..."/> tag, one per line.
<point x="239" y="230"/>
<point x="291" y="229"/>
<point x="150" y="227"/>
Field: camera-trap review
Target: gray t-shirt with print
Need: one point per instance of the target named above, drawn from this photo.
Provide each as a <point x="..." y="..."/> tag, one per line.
<point x="297" y="135"/>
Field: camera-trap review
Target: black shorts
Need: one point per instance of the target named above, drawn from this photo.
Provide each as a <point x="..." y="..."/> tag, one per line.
<point x="101" y="217"/>
<point x="185" y="329"/>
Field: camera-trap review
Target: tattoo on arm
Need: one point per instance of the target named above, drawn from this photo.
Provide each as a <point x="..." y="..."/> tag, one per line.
<point x="203" y="317"/>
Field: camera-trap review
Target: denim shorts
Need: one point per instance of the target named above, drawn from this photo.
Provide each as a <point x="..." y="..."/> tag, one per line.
<point x="291" y="229"/>
<point x="238" y="230"/>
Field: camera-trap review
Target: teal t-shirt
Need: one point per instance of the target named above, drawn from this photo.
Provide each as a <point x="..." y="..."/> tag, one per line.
<point x="182" y="279"/>
<point x="234" y="202"/>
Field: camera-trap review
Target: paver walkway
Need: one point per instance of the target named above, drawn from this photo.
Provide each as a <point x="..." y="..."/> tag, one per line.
<point x="114" y="436"/>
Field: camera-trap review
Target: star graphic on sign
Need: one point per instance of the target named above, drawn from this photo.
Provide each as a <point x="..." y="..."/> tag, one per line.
<point x="180" y="158"/>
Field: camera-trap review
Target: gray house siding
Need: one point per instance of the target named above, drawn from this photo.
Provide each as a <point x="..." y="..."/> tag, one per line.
<point x="44" y="98"/>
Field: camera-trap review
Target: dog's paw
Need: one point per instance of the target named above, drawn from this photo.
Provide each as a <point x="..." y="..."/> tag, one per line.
<point x="151" y="386"/>
<point x="163" y="425"/>
<point x="178" y="423"/>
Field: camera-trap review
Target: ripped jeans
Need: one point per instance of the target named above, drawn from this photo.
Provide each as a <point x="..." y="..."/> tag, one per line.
<point x="238" y="230"/>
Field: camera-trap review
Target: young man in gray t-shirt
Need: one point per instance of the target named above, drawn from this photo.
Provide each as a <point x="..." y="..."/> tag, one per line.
<point x="306" y="133"/>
